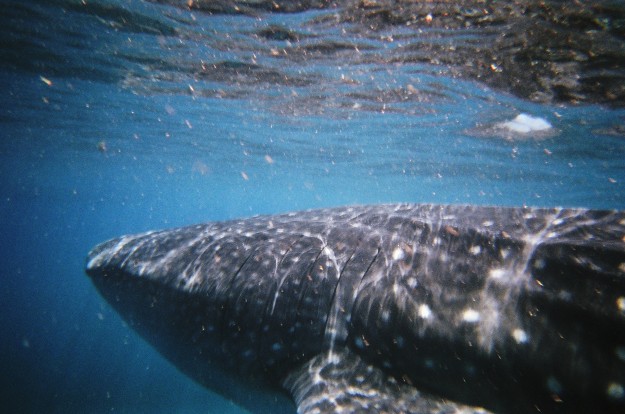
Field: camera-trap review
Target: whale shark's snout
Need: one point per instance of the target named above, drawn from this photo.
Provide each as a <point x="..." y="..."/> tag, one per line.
<point x="403" y="308"/>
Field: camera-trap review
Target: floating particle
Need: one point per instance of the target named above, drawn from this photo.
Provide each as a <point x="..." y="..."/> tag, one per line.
<point x="200" y="167"/>
<point x="45" y="80"/>
<point x="452" y="231"/>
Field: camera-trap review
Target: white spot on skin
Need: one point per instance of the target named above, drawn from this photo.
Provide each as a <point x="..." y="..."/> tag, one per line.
<point x="487" y="223"/>
<point x="616" y="391"/>
<point x="520" y="336"/>
<point x="620" y="303"/>
<point x="359" y="343"/>
<point x="398" y="253"/>
<point x="471" y="316"/>
<point x="496" y="273"/>
<point x="400" y="341"/>
<point x="386" y="315"/>
<point x="475" y="250"/>
<point x="411" y="282"/>
<point x="425" y="312"/>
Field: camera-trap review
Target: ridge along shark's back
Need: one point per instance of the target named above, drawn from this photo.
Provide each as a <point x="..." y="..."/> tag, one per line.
<point x="396" y="308"/>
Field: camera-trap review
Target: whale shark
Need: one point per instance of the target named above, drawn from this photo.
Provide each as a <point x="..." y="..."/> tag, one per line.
<point x="399" y="308"/>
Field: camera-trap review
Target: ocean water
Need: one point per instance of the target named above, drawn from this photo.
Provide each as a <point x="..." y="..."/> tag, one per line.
<point x="123" y="116"/>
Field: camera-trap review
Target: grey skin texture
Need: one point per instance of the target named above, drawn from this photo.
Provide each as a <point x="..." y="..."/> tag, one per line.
<point x="397" y="308"/>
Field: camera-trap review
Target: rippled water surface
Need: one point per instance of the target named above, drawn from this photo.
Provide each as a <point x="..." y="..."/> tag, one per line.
<point x="123" y="116"/>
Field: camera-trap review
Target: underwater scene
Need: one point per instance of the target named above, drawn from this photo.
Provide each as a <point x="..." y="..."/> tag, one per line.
<point x="125" y="116"/>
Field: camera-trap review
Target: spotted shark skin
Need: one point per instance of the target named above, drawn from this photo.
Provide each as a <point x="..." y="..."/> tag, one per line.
<point x="386" y="308"/>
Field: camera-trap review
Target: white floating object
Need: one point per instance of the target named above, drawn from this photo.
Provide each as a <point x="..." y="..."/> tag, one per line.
<point x="524" y="124"/>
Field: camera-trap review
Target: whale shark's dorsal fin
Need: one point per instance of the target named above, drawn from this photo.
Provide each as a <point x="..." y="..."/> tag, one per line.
<point x="341" y="382"/>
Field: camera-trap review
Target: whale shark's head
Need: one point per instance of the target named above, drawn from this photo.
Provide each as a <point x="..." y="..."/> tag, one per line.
<point x="176" y="294"/>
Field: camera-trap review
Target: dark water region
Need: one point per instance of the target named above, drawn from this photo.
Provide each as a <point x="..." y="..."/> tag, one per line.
<point x="124" y="116"/>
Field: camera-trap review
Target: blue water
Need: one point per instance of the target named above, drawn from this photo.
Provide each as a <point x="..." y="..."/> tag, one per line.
<point x="105" y="130"/>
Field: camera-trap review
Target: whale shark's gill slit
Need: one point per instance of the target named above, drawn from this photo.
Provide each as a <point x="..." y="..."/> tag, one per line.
<point x="270" y="301"/>
<point x="285" y="274"/>
<point x="330" y="327"/>
<point x="229" y="300"/>
<point x="307" y="273"/>
<point x="336" y="327"/>
<point x="292" y="304"/>
<point x="191" y="276"/>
